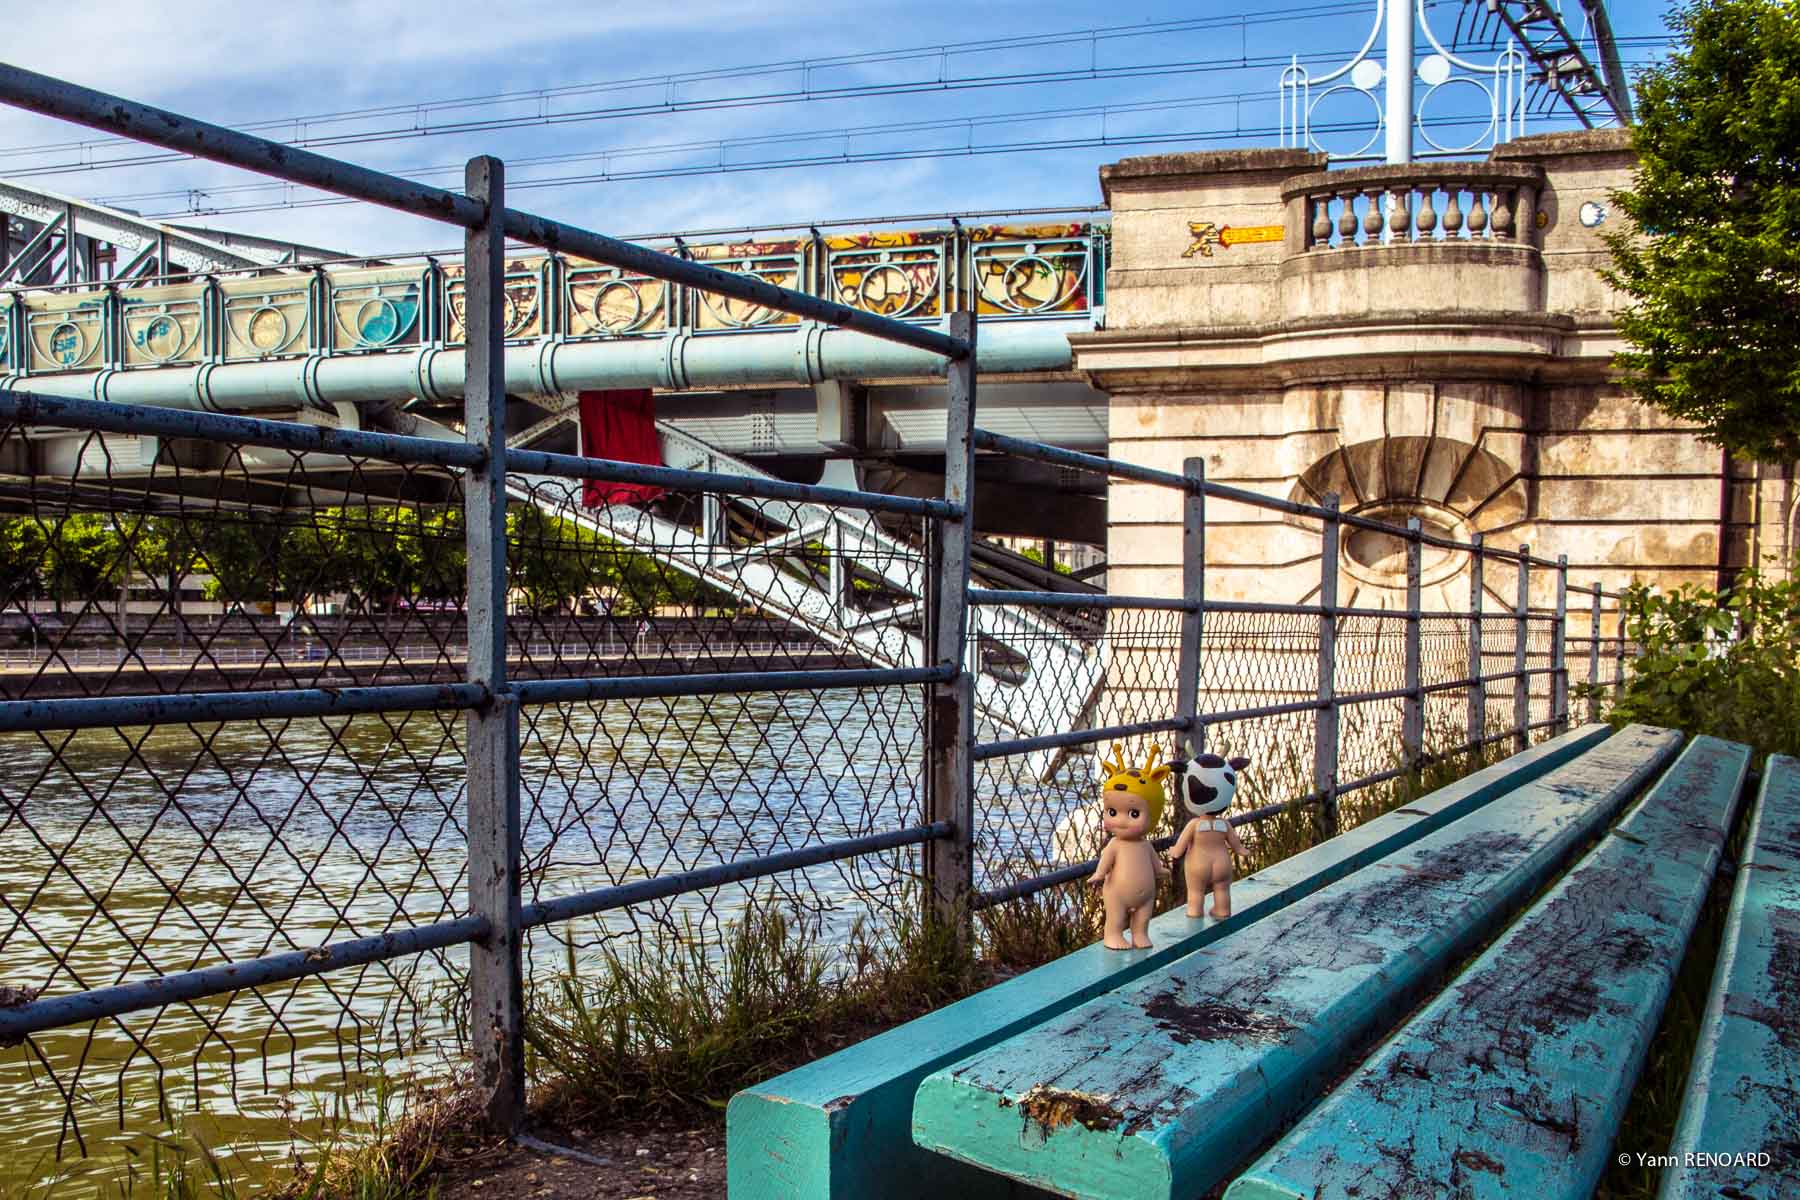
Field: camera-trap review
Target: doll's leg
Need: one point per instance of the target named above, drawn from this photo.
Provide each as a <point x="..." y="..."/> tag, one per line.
<point x="1221" y="886"/>
<point x="1115" y="926"/>
<point x="1194" y="873"/>
<point x="1200" y="880"/>
<point x="1140" y="926"/>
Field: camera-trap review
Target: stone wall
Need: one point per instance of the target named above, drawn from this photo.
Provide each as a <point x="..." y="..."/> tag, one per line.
<point x="1464" y="379"/>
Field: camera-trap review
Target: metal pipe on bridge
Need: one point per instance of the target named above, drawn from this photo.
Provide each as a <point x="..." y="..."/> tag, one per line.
<point x="675" y="362"/>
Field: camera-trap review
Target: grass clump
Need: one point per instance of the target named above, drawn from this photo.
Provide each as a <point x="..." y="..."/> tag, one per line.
<point x="664" y="1026"/>
<point x="668" y="1024"/>
<point x="396" y="1155"/>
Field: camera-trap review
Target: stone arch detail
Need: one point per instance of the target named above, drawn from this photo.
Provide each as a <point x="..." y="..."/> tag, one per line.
<point x="1455" y="489"/>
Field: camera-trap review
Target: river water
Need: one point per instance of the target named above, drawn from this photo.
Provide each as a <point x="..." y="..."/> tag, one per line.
<point x="130" y="852"/>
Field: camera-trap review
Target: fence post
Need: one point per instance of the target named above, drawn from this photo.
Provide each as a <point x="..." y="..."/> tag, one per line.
<point x="1619" y="653"/>
<point x="950" y="861"/>
<point x="1325" y="722"/>
<point x="1594" y="656"/>
<point x="1412" y="725"/>
<point x="1193" y="591"/>
<point x="1559" y="654"/>
<point x="496" y="985"/>
<point x="1478" y="686"/>
<point x="1521" y="638"/>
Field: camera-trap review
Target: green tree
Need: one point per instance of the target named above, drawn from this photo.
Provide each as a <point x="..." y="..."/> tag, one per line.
<point x="1725" y="663"/>
<point x="240" y="556"/>
<point x="21" y="559"/>
<point x="1713" y="267"/>
<point x="553" y="562"/>
<point x="80" y="556"/>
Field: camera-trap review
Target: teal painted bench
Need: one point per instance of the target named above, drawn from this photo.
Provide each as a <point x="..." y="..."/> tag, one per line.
<point x="1514" y="1080"/>
<point x="1160" y="1087"/>
<point x="841" y="1127"/>
<point x="1743" y="1095"/>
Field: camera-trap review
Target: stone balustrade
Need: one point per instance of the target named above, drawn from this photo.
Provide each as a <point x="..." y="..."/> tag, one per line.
<point x="1455" y="202"/>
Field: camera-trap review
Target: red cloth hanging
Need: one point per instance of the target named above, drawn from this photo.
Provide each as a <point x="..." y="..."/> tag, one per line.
<point x="620" y="425"/>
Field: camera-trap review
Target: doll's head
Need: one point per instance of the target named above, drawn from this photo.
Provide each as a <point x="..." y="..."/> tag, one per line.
<point x="1206" y="783"/>
<point x="1131" y="798"/>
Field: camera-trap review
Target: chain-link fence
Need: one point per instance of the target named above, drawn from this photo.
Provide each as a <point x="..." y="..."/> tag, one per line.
<point x="1324" y="698"/>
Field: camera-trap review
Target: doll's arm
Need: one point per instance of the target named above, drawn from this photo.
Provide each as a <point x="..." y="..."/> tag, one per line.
<point x="1237" y="843"/>
<point x="1105" y="865"/>
<point x="1184" y="843"/>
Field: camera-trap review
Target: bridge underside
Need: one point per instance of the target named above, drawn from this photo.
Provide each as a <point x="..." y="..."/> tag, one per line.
<point x="780" y="436"/>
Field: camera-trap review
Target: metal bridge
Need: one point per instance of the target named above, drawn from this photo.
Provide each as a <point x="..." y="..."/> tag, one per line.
<point x="227" y="323"/>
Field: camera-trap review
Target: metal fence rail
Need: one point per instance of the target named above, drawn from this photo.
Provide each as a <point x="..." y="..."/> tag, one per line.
<point x="311" y="841"/>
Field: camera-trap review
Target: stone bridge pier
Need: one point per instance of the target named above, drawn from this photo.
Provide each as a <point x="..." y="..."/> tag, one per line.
<point x="1430" y="340"/>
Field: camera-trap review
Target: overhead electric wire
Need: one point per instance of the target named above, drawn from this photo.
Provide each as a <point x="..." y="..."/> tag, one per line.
<point x="1033" y="145"/>
<point x="718" y="150"/>
<point x="805" y="93"/>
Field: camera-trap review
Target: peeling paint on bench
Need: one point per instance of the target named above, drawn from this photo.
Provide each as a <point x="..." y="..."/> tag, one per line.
<point x="1208" y="1057"/>
<point x="1514" y="1080"/>
<point x="841" y="1127"/>
<point x="1743" y="1092"/>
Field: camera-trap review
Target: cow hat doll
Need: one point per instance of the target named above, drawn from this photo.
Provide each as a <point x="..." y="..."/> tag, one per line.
<point x="1205" y="785"/>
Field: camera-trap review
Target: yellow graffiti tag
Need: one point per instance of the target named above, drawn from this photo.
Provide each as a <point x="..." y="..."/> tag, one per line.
<point x="1207" y="234"/>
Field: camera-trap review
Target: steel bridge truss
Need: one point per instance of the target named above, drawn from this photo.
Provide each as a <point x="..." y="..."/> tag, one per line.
<point x="49" y="239"/>
<point x="1031" y="675"/>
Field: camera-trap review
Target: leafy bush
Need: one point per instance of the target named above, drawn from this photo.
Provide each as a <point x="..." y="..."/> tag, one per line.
<point x="1723" y="663"/>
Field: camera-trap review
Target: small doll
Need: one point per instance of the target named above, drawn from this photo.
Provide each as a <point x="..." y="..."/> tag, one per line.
<point x="1131" y="803"/>
<point x="1206" y="784"/>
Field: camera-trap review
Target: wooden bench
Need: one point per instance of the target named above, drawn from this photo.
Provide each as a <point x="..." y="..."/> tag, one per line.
<point x="1158" y="1088"/>
<point x="1514" y="1080"/>
<point x="1743" y="1095"/>
<point x="842" y="1126"/>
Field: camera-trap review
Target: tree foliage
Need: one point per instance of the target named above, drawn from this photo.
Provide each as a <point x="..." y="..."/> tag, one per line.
<point x="1713" y="267"/>
<point x="380" y="557"/>
<point x="1724" y="663"/>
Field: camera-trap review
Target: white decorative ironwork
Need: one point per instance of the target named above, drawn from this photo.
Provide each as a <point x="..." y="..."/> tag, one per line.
<point x="1517" y="56"/>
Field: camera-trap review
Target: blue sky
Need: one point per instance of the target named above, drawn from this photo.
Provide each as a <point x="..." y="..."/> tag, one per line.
<point x="237" y="64"/>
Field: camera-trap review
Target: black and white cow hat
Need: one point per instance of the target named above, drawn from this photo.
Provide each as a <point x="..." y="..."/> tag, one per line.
<point x="1206" y="782"/>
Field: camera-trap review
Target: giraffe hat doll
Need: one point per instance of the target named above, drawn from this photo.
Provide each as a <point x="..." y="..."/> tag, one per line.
<point x="1131" y="803"/>
<point x="1205" y="785"/>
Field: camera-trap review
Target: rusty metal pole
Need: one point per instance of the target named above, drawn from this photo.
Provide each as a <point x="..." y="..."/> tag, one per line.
<point x="1619" y="654"/>
<point x="1193" y="592"/>
<point x="1412" y="724"/>
<point x="1478" y="686"/>
<point x="1594" y="656"/>
<point x="1521" y="640"/>
<point x="950" y="861"/>
<point x="1325" y="721"/>
<point x="1559" y="654"/>
<point x="496" y="982"/>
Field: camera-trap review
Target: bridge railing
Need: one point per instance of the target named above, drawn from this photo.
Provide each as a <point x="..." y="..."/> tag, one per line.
<point x="1481" y="205"/>
<point x="1445" y="646"/>
<point x="1000" y="272"/>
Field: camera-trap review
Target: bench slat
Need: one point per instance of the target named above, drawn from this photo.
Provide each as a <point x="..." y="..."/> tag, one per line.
<point x="841" y="1127"/>
<point x="1513" y="1081"/>
<point x="1743" y="1092"/>
<point x="1159" y="1088"/>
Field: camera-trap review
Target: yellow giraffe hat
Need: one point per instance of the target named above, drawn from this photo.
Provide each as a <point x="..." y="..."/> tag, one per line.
<point x="1143" y="782"/>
